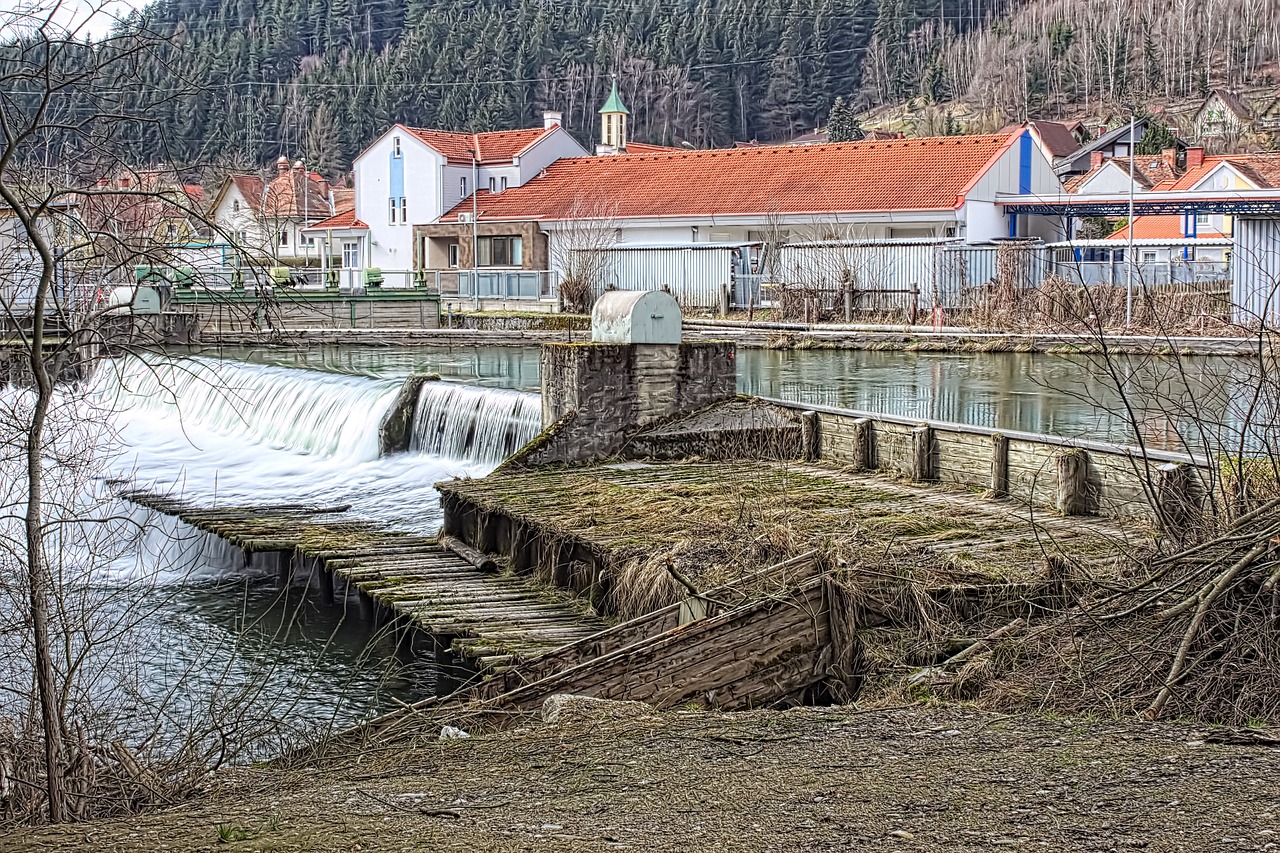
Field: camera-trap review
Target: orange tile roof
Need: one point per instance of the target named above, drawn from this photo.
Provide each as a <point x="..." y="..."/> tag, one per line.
<point x="342" y="219"/>
<point x="1149" y="170"/>
<point x="648" y="148"/>
<point x="1263" y="170"/>
<point x="495" y="147"/>
<point x="251" y="187"/>
<point x="903" y="174"/>
<point x="1160" y="228"/>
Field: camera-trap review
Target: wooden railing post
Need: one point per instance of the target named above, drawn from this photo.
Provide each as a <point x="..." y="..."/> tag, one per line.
<point x="999" y="466"/>
<point x="1074" y="492"/>
<point x="810" y="436"/>
<point x="864" y="443"/>
<point x="1175" y="503"/>
<point x="922" y="466"/>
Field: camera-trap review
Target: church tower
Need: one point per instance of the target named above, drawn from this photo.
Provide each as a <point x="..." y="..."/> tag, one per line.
<point x="613" y="124"/>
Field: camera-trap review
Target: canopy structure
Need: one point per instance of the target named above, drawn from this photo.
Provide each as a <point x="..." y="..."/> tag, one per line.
<point x="1249" y="202"/>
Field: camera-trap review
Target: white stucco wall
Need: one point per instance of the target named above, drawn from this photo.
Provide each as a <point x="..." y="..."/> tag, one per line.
<point x="551" y="147"/>
<point x="391" y="245"/>
<point x="984" y="221"/>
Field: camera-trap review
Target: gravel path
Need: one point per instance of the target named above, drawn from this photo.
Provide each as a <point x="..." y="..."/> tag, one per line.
<point x="803" y="780"/>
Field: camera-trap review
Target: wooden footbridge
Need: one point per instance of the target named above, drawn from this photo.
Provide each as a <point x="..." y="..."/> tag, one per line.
<point x="438" y="588"/>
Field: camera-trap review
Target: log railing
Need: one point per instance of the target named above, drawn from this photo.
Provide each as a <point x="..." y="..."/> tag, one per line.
<point x="1071" y="476"/>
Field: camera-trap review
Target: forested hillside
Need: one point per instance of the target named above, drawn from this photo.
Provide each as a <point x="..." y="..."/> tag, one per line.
<point x="323" y="77"/>
<point x="252" y="79"/>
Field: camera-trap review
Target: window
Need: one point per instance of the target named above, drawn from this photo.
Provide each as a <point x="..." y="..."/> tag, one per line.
<point x="499" y="252"/>
<point x="235" y="206"/>
<point x="462" y="186"/>
<point x="283" y="237"/>
<point x="171" y="231"/>
<point x="502" y="185"/>
<point x="404" y="210"/>
<point x="453" y="256"/>
<point x="350" y="254"/>
<point x="1148" y="257"/>
<point x="493" y="185"/>
<point x="392" y="211"/>
<point x="1202" y="219"/>
<point x="395" y="147"/>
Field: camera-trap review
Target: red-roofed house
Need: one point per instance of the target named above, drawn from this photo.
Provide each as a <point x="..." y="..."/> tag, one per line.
<point x="410" y="176"/>
<point x="1224" y="172"/>
<point x="265" y="220"/>
<point x="939" y="188"/>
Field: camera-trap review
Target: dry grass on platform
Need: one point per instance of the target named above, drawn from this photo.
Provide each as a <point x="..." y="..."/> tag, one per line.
<point x="709" y="523"/>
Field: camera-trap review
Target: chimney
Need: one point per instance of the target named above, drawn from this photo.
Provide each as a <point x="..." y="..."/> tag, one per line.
<point x="1170" y="158"/>
<point x="1195" y="157"/>
<point x="1102" y="130"/>
<point x="1095" y="159"/>
<point x="551" y="119"/>
<point x="282" y="165"/>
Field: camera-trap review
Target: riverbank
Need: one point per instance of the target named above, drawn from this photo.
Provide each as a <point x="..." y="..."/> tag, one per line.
<point x="808" y="779"/>
<point x="532" y="329"/>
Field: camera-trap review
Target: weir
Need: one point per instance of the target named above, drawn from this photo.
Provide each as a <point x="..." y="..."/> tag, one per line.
<point x="609" y="555"/>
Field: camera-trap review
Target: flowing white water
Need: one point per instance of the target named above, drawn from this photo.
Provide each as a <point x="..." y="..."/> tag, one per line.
<point x="187" y="628"/>
<point x="301" y="410"/>
<point x="481" y="425"/>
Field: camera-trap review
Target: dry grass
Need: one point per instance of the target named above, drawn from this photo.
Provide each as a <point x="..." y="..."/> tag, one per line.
<point x="1058" y="305"/>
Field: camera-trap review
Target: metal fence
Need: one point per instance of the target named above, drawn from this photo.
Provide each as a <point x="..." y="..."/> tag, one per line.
<point x="529" y="285"/>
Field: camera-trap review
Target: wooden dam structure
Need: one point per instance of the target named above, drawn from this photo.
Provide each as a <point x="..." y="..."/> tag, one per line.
<point x="666" y="541"/>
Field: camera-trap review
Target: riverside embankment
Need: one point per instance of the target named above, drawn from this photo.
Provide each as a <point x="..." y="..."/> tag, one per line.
<point x="810" y="779"/>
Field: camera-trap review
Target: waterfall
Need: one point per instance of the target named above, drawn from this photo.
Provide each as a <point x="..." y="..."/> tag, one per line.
<point x="306" y="411"/>
<point x="474" y="424"/>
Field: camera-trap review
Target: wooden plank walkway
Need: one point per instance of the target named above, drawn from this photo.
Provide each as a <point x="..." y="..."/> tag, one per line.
<point x="489" y="619"/>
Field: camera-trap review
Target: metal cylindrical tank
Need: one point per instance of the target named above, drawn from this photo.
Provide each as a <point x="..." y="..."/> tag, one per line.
<point x="635" y="317"/>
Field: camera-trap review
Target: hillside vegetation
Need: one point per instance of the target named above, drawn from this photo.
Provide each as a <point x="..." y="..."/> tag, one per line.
<point x="239" y="82"/>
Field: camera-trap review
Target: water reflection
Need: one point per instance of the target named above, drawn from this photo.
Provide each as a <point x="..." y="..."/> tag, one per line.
<point x="1074" y="396"/>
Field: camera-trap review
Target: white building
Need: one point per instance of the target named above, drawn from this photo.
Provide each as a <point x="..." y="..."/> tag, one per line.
<point x="942" y="188"/>
<point x="266" y="221"/>
<point x="410" y="176"/>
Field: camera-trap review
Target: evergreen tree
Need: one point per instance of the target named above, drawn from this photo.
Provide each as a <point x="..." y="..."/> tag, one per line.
<point x="842" y="123"/>
<point x="1155" y="139"/>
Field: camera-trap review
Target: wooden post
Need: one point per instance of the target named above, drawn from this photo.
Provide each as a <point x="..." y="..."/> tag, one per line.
<point x="323" y="580"/>
<point x="922" y="467"/>
<point x="1074" y="492"/>
<point x="999" y="466"/>
<point x="864" y="441"/>
<point x="810" y="437"/>
<point x="1175" y="503"/>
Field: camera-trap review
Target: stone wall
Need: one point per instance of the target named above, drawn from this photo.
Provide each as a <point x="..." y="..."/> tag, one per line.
<point x="595" y="395"/>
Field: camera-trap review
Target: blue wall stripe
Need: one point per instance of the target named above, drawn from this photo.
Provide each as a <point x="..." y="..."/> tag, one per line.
<point x="1024" y="163"/>
<point x="397" y="176"/>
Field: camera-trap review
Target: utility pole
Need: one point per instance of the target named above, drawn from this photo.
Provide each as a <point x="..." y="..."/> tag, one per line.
<point x="475" y="242"/>
<point x="1128" y="285"/>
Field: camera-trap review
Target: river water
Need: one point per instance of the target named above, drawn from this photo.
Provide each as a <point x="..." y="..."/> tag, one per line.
<point x="1075" y="396"/>
<point x="285" y="426"/>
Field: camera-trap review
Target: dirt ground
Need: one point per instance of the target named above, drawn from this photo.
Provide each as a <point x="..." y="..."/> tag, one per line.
<point x="809" y="779"/>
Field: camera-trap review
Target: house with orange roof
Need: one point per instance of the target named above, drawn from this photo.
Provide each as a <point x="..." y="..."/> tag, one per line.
<point x="265" y="221"/>
<point x="410" y="176"/>
<point x="938" y="189"/>
<point x="1203" y="174"/>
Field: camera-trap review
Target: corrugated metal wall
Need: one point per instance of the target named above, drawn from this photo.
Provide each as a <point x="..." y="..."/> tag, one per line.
<point x="1255" y="271"/>
<point x="872" y="266"/>
<point x="695" y="276"/>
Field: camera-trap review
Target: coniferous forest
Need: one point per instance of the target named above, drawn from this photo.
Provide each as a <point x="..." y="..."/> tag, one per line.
<point x="236" y="83"/>
<point x="321" y="78"/>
